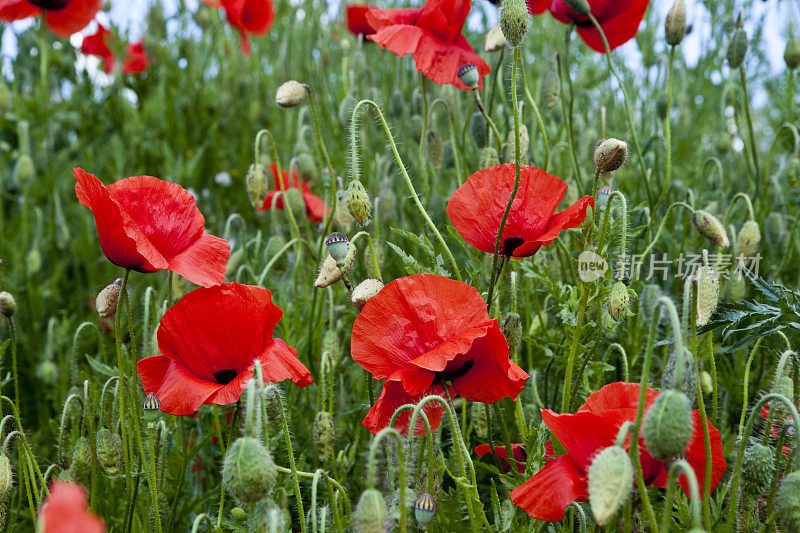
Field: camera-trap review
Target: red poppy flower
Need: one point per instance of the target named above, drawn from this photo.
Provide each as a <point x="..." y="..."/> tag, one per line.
<point x="96" y="44"/>
<point x="135" y="59"/>
<point x="563" y="480"/>
<point x="433" y="35"/>
<point x="63" y="17"/>
<point x="147" y="224"/>
<point x="248" y="16"/>
<point x="423" y="331"/>
<point x="315" y="206"/>
<point x="209" y="341"/>
<point x="536" y="7"/>
<point x="619" y="19"/>
<point x="520" y="456"/>
<point x="476" y="209"/>
<point x="65" y="511"/>
<point x="356" y="16"/>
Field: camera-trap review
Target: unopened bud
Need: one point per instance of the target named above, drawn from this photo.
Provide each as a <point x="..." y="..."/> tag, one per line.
<point x="24" y="170"/>
<point x="785" y="387"/>
<point x="424" y="509"/>
<point x="581" y="7"/>
<point x="710" y="227"/>
<point x="788" y="503"/>
<point x="477" y="129"/>
<point x="707" y="293"/>
<point x="248" y="471"/>
<point x="479" y="420"/>
<point x="238" y="514"/>
<point x="323" y="435"/>
<point x="610" y="155"/>
<point x="47" y="371"/>
<point x="757" y="469"/>
<point x="306" y="167"/>
<point x="668" y="425"/>
<point x="688" y="383"/>
<point x="108" y="447"/>
<point x="675" y="25"/>
<point x="706" y="382"/>
<point x="290" y="94"/>
<point x="294" y="200"/>
<point x="488" y="158"/>
<point x="737" y="48"/>
<point x="774" y="227"/>
<point x="434" y="149"/>
<point x="257" y="185"/>
<point x="510" y="148"/>
<point x="8" y="305"/>
<point x="106" y="301"/>
<point x="512" y="330"/>
<point x="358" y="202"/>
<point x="791" y="56"/>
<point x="736" y="288"/>
<point x="494" y="41"/>
<point x="6" y="477"/>
<point x="551" y="85"/>
<point x="610" y="481"/>
<point x="514" y="21"/>
<point x="332" y="345"/>
<point x="370" y="513"/>
<point x="33" y="261"/>
<point x="749" y="238"/>
<point x="618" y="301"/>
<point x="364" y="291"/>
<point x="81" y="466"/>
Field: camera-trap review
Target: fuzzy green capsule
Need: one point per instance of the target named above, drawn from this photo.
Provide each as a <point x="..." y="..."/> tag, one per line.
<point x="370" y="513"/>
<point x="323" y="435"/>
<point x="737" y="48"/>
<point x="791" y="55"/>
<point x="551" y="86"/>
<point x="707" y="293"/>
<point x="397" y="104"/>
<point x="81" y="466"/>
<point x="749" y="238"/>
<point x="610" y="480"/>
<point x="758" y="469"/>
<point x="248" y="471"/>
<point x="510" y="148"/>
<point x="774" y="227"/>
<point x="688" y="383"/>
<point x="358" y="202"/>
<point x="24" y="170"/>
<point x="710" y="227"/>
<point x="477" y="129"/>
<point x="667" y="425"/>
<point x="6" y="477"/>
<point x="514" y="21"/>
<point x="108" y="447"/>
<point x="788" y="503"/>
<point x="618" y="301"/>
<point x="675" y="23"/>
<point x="488" y="158"/>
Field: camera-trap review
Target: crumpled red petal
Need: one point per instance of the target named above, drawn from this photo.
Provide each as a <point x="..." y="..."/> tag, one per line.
<point x="547" y="494"/>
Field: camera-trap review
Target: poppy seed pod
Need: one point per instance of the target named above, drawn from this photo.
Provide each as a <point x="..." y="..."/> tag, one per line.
<point x="424" y="508"/>
<point x="323" y="435"/>
<point x="710" y="227"/>
<point x="358" y="202"/>
<point x="774" y="227"/>
<point x="151" y="406"/>
<point x="788" y="503"/>
<point x="81" y="465"/>
<point x="581" y="7"/>
<point x="108" y="447"/>
<point x="514" y="21"/>
<point x="248" y="471"/>
<point x="364" y="291"/>
<point x="469" y="76"/>
<point x="610" y="154"/>
<point x="370" y="513"/>
<point x="337" y="246"/>
<point x="737" y="47"/>
<point x="675" y="24"/>
<point x="106" y="301"/>
<point x="256" y="184"/>
<point x="510" y="149"/>
<point x="688" y="384"/>
<point x="290" y="94"/>
<point x="791" y="55"/>
<point x="488" y="158"/>
<point x="494" y="41"/>
<point x="749" y="238"/>
<point x="24" y="170"/>
<point x="667" y="425"/>
<point x="434" y="149"/>
<point x="707" y="293"/>
<point x="610" y="481"/>
<point x="757" y="469"/>
<point x="618" y="301"/>
<point x="6" y="477"/>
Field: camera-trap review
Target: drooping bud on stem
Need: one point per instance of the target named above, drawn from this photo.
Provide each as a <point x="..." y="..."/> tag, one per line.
<point x="248" y="471"/>
<point x="749" y="238"/>
<point x="610" y="481"/>
<point x="710" y="227"/>
<point x="290" y="94"/>
<point x="106" y="301"/>
<point x="667" y="425"/>
<point x="737" y="46"/>
<point x="370" y="513"/>
<point x="8" y="305"/>
<point x="364" y="291"/>
<point x="610" y="155"/>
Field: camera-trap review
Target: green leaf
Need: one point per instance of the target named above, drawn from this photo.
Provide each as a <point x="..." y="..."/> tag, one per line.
<point x="100" y="367"/>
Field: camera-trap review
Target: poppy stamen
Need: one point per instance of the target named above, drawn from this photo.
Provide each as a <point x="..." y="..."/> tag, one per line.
<point x="449" y="375"/>
<point x="50" y="4"/>
<point x="512" y="243"/>
<point x="225" y="376"/>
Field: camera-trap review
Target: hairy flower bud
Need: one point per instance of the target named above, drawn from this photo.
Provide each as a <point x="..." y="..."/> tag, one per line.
<point x="675" y="24"/>
<point x="488" y="158"/>
<point x="514" y="21"/>
<point x="6" y="477"/>
<point x="688" y="384"/>
<point x="256" y="184"/>
<point x="434" y="149"/>
<point x="737" y="48"/>
<point x="610" y="481"/>
<point x="706" y="382"/>
<point x="8" y="305"/>
<point x="494" y="41"/>
<point x="707" y="293"/>
<point x="710" y="227"/>
<point x="238" y="514"/>
<point x="108" y="447"/>
<point x="81" y="466"/>
<point x="469" y="76"/>
<point x="791" y="55"/>
<point x="47" y="371"/>
<point x="749" y="238"/>
<point x="551" y="85"/>
<point x="332" y="345"/>
<point x="424" y="508"/>
<point x="757" y="469"/>
<point x="24" y="170"/>
<point x="610" y="155"/>
<point x="478" y="129"/>
<point x="106" y="301"/>
<point x="323" y="435"/>
<point x="785" y="387"/>
<point x="295" y="202"/>
<point x="248" y="471"/>
<point x="774" y="227"/>
<point x="667" y="425"/>
<point x="290" y="94"/>
<point x="364" y="291"/>
<point x="512" y="329"/>
<point x="358" y="202"/>
<point x="618" y="301"/>
<point x="510" y="148"/>
<point x="788" y="503"/>
<point x="370" y="513"/>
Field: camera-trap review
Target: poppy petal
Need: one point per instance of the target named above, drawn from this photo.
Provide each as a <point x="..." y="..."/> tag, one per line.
<point x="569" y="218"/>
<point x="203" y="262"/>
<point x="11" y="10"/>
<point x="356" y="19"/>
<point x="180" y="391"/>
<point x="399" y="39"/>
<point x="392" y="397"/>
<point x="583" y="433"/>
<point x="617" y="395"/>
<point x="549" y="492"/>
<point x="536" y="7"/>
<point x="66" y="510"/>
<point x="381" y="18"/>
<point x="73" y="17"/>
<point x="440" y="61"/>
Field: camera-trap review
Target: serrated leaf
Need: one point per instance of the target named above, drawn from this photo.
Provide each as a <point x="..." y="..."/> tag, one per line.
<point x="100" y="367"/>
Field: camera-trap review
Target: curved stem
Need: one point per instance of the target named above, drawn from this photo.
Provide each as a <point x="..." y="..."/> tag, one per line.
<point x="373" y="452"/>
<point x="694" y="493"/>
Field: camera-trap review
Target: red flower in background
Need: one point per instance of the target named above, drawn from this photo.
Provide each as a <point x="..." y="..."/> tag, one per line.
<point x="433" y="35"/>
<point x="248" y="16"/>
<point x="520" y="456"/>
<point x="563" y="480"/>
<point x="619" y="19"/>
<point x="209" y="341"/>
<point x="422" y="331"/>
<point x="135" y="59"/>
<point x="536" y="7"/>
<point x="96" y="44"/>
<point x="356" y="18"/>
<point x="476" y="209"/>
<point x="65" y="511"/>
<point x="147" y="224"/>
<point x="63" y="17"/>
<point x="315" y="206"/>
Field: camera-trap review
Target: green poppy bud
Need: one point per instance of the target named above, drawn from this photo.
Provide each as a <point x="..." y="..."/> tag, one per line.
<point x="6" y="477"/>
<point x="510" y="149"/>
<point x="788" y="503"/>
<point x="737" y="48"/>
<point x="785" y="387"/>
<point x="710" y="227"/>
<point x="290" y="94"/>
<point x="332" y="345"/>
<point x="688" y="384"/>
<point x="610" y="155"/>
<point x="33" y="261"/>
<point x="8" y="305"/>
<point x="675" y="25"/>
<point x="306" y="167"/>
<point x="248" y="471"/>
<point x="424" y="509"/>
<point x="370" y="513"/>
<point x="294" y="199"/>
<point x="106" y="301"/>
<point x="358" y="202"/>
<point x="108" y="447"/>
<point x="323" y="435"/>
<point x="47" y="371"/>
<point x="551" y="85"/>
<point x="774" y="227"/>
<point x="24" y="170"/>
<point x="736" y="287"/>
<point x="757" y="469"/>
<point x="341" y="216"/>
<point x="707" y="293"/>
<point x="667" y="425"/>
<point x="618" y="301"/>
<point x="791" y="56"/>
<point x="749" y="238"/>
<point x="257" y="184"/>
<point x="514" y="21"/>
<point x="477" y="129"/>
<point x="238" y="514"/>
<point x="81" y="466"/>
<point x="267" y="518"/>
<point x="434" y="149"/>
<point x="610" y="481"/>
<point x="608" y="324"/>
<point x="706" y="383"/>
<point x="489" y="158"/>
<point x="512" y="329"/>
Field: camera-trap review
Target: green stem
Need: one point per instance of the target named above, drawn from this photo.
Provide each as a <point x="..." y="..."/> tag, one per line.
<point x="532" y="102"/>
<point x="754" y="153"/>
<point x="667" y="132"/>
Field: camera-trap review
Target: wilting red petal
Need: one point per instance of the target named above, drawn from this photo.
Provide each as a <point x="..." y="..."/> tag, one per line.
<point x="65" y="511"/>
<point x="96" y="44"/>
<point x="500" y="450"/>
<point x="381" y="18"/>
<point x="356" y="19"/>
<point x="392" y="397"/>
<point x="135" y="59"/>
<point x="476" y="209"/>
<point x="549" y="492"/>
<point x="11" y="10"/>
<point x="72" y="18"/>
<point x="444" y="18"/>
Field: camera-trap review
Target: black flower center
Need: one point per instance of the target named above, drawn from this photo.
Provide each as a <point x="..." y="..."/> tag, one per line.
<point x="50" y="4"/>
<point x="510" y="244"/>
<point x="225" y="376"/>
<point x="450" y="375"/>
